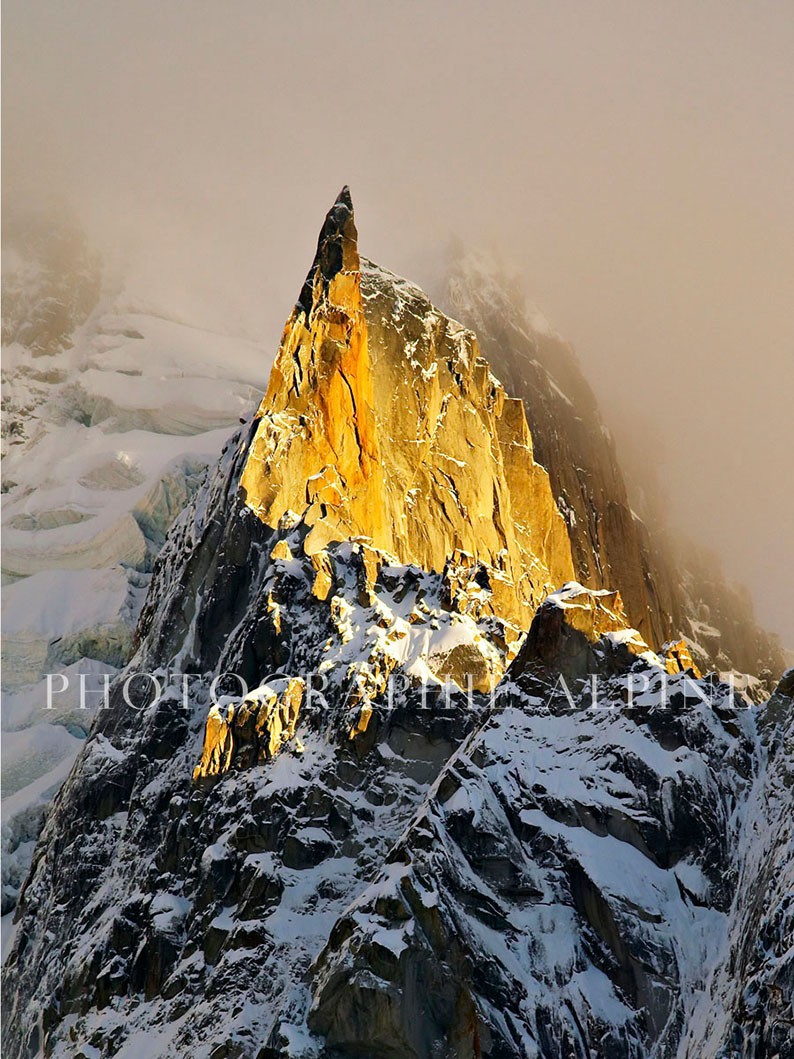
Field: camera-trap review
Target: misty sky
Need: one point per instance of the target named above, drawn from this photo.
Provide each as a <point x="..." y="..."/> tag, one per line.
<point x="634" y="161"/>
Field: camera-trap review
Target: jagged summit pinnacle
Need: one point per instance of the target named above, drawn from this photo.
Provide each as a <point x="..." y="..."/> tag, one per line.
<point x="337" y="248"/>
<point x="371" y="857"/>
<point x="433" y="461"/>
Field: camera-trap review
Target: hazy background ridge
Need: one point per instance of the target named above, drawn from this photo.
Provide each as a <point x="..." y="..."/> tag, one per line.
<point x="634" y="163"/>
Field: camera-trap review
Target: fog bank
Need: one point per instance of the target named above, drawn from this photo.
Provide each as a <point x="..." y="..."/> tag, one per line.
<point x="633" y="162"/>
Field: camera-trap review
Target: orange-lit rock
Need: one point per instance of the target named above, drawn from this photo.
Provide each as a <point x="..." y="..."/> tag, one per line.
<point x="678" y="659"/>
<point x="217" y="751"/>
<point x="383" y="422"/>
<point x="251" y="731"/>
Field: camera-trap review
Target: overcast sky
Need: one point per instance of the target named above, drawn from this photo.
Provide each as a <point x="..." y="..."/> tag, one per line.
<point x="634" y="161"/>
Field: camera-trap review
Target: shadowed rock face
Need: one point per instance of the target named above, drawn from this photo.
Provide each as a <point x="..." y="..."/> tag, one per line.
<point x="577" y="631"/>
<point x="609" y="544"/>
<point x="383" y="421"/>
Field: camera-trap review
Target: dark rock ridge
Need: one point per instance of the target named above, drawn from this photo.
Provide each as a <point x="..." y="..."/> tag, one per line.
<point x="587" y="856"/>
<point x="576" y="628"/>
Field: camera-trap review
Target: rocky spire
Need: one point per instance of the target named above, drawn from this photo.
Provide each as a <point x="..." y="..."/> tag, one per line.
<point x="337" y="249"/>
<point x="433" y="464"/>
<point x="316" y="451"/>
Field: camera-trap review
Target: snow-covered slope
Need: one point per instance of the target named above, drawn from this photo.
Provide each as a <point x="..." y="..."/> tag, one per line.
<point x="561" y="876"/>
<point x="557" y="893"/>
<point x="110" y="420"/>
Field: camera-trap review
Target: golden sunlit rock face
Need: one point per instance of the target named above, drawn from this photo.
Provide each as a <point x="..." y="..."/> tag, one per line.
<point x="678" y="659"/>
<point x="252" y="731"/>
<point x="383" y="422"/>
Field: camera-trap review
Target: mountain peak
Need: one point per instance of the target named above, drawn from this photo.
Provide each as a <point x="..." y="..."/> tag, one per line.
<point x="344" y="198"/>
<point x="337" y="248"/>
<point x="432" y="462"/>
<point x="560" y="865"/>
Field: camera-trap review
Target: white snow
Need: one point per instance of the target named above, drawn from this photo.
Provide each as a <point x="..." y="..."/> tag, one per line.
<point x="117" y="429"/>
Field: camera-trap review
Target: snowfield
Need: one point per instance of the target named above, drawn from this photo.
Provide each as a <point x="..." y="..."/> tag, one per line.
<point x="106" y="441"/>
